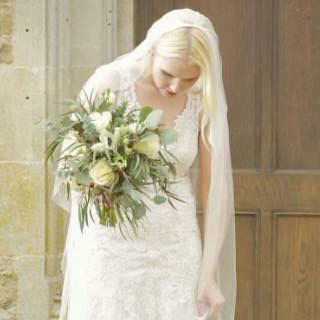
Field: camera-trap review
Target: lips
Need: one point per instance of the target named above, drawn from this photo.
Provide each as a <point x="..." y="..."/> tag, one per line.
<point x="170" y="93"/>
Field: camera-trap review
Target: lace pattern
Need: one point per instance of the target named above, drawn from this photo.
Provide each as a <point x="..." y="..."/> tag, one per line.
<point x="155" y="275"/>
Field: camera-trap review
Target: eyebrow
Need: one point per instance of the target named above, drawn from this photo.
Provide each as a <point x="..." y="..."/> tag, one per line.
<point x="172" y="75"/>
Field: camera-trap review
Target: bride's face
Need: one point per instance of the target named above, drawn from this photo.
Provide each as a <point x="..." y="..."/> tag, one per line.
<point x="174" y="75"/>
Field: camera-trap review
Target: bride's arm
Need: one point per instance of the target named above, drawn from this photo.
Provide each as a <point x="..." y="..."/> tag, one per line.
<point x="215" y="222"/>
<point x="205" y="174"/>
<point x="102" y="78"/>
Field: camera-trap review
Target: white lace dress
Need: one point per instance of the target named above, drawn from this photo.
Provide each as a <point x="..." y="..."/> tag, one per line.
<point x="154" y="276"/>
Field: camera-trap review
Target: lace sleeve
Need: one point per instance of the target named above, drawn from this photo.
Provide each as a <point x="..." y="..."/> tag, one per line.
<point x="102" y="78"/>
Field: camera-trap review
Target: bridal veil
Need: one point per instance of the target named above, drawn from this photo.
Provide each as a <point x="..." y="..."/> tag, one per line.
<point x="219" y="244"/>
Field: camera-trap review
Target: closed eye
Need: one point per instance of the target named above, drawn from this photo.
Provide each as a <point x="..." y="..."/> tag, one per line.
<point x="166" y="74"/>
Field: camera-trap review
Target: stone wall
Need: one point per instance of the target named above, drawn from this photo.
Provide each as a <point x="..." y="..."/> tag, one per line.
<point x="48" y="48"/>
<point x="8" y="288"/>
<point x="6" y="30"/>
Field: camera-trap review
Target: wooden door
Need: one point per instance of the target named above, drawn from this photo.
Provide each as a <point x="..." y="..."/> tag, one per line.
<point x="271" y="68"/>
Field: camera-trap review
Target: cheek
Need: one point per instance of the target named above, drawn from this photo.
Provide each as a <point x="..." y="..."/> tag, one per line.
<point x="160" y="80"/>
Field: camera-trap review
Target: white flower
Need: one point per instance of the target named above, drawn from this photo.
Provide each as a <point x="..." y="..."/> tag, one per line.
<point x="75" y="117"/>
<point x="117" y="133"/>
<point x="71" y="138"/>
<point x="101" y="120"/>
<point x="98" y="147"/>
<point x="133" y="127"/>
<point x="75" y="149"/>
<point x="107" y="139"/>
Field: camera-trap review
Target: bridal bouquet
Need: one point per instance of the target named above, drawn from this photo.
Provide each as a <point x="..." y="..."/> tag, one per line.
<point x="111" y="155"/>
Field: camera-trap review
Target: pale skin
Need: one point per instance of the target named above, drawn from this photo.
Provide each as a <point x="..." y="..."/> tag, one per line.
<point x="178" y="75"/>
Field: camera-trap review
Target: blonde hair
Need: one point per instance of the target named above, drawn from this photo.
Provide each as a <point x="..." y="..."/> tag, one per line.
<point x="192" y="43"/>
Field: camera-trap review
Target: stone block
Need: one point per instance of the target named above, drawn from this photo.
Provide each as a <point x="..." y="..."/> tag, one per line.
<point x="125" y="26"/>
<point x="30" y="36"/>
<point x="8" y="288"/>
<point x="22" y="208"/>
<point x="78" y="77"/>
<point x="33" y="293"/>
<point x="22" y="114"/>
<point x="88" y="29"/>
<point x="6" y="31"/>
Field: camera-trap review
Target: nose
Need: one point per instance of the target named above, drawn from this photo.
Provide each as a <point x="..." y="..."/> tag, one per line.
<point x="175" y="85"/>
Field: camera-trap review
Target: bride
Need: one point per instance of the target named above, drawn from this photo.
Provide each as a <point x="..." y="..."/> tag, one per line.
<point x="167" y="272"/>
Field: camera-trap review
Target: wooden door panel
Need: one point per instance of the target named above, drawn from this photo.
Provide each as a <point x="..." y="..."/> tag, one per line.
<point x="297" y="84"/>
<point x="296" y="265"/>
<point x="247" y="237"/>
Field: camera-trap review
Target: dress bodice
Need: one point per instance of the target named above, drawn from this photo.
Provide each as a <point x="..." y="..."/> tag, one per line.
<point x="187" y="124"/>
<point x="160" y="266"/>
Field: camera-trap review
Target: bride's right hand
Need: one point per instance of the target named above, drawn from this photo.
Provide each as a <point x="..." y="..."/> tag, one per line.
<point x="210" y="298"/>
<point x="203" y="310"/>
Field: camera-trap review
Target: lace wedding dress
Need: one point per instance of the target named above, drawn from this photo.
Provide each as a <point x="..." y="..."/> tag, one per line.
<point x="153" y="276"/>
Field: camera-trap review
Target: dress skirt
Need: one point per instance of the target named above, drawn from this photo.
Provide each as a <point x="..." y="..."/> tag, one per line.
<point x="153" y="276"/>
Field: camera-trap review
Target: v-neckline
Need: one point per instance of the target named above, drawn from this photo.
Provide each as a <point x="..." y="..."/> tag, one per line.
<point x="178" y="118"/>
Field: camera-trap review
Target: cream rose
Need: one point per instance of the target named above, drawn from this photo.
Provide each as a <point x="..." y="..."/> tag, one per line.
<point x="149" y="146"/>
<point x="102" y="173"/>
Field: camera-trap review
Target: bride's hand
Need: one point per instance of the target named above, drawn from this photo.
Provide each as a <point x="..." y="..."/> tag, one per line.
<point x="210" y="298"/>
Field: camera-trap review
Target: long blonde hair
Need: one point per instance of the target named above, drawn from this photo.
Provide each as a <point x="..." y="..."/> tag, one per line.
<point x="190" y="42"/>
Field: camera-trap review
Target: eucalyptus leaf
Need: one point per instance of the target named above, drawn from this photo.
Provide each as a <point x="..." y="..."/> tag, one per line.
<point x="137" y="161"/>
<point x="74" y="165"/>
<point x="139" y="210"/>
<point x="168" y="136"/>
<point x="125" y="201"/>
<point x="83" y="178"/>
<point x="144" y="112"/>
<point x="159" y="199"/>
<point x="126" y="186"/>
<point x="66" y="122"/>
<point x="164" y="170"/>
<point x="135" y="195"/>
<point x="153" y="119"/>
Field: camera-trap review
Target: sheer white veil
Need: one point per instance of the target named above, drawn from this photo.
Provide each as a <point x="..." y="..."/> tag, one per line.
<point x="219" y="248"/>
